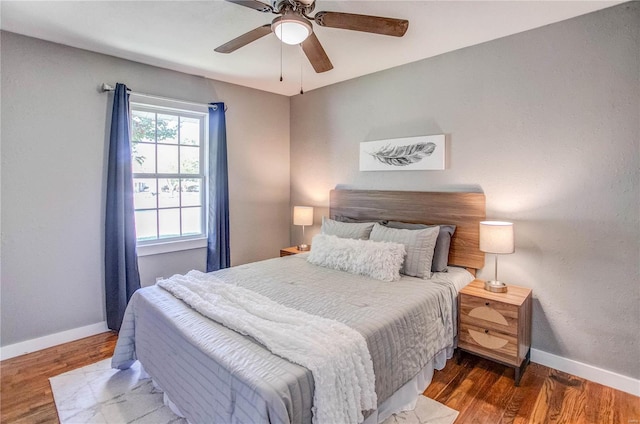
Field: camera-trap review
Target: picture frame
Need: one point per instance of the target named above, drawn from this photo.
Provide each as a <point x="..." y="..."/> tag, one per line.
<point x="404" y="154"/>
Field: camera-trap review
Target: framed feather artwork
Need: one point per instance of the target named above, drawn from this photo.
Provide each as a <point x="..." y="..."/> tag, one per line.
<point x="403" y="154"/>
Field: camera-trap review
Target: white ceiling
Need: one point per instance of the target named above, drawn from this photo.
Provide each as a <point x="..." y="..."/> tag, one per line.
<point x="181" y="35"/>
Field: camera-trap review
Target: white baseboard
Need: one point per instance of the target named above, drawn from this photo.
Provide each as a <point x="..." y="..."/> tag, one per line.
<point x="588" y="372"/>
<point x="44" y="342"/>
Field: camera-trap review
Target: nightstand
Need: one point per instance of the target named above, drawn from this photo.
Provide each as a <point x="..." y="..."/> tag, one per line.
<point x="291" y="251"/>
<point x="496" y="326"/>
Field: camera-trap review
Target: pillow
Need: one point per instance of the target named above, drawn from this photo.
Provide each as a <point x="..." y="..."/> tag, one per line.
<point x="356" y="220"/>
<point x="420" y="245"/>
<point x="443" y="242"/>
<point x="351" y="230"/>
<point x="378" y="260"/>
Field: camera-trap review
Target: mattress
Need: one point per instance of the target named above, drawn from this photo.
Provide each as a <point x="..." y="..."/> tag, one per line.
<point x="214" y="374"/>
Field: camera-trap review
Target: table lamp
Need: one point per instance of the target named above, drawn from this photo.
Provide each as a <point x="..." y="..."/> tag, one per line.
<point x="303" y="215"/>
<point x="496" y="237"/>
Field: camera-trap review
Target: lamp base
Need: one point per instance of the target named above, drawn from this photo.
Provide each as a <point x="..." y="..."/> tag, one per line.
<point x="495" y="286"/>
<point x="304" y="247"/>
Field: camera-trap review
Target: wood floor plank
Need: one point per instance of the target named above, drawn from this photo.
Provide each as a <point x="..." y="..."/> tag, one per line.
<point x="450" y="377"/>
<point x="544" y="396"/>
<point x="547" y="402"/>
<point x="25" y="393"/>
<point x="574" y="400"/>
<point x="603" y="411"/>
<point x="480" y="408"/>
<point x="482" y="391"/>
<point x="497" y="397"/>
<point x="523" y="401"/>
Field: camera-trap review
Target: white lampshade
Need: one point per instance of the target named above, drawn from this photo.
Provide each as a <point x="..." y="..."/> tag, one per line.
<point x="291" y="29"/>
<point x="302" y="215"/>
<point x="496" y="237"/>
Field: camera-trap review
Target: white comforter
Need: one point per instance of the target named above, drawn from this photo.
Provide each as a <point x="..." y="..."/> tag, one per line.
<point x="336" y="354"/>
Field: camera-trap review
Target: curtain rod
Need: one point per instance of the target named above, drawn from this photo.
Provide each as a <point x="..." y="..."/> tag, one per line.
<point x="106" y="87"/>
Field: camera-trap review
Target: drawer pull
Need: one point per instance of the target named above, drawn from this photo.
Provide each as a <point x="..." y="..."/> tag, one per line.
<point x="486" y="331"/>
<point x="488" y="340"/>
<point x="486" y="304"/>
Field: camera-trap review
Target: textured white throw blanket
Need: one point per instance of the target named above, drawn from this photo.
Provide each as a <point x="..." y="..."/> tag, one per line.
<point x="336" y="354"/>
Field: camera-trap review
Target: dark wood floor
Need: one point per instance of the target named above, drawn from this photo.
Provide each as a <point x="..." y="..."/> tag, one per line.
<point x="482" y="391"/>
<point x="25" y="393"/>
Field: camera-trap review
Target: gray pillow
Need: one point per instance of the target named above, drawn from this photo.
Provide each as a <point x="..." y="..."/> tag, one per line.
<point x="420" y="245"/>
<point x="354" y="230"/>
<point x="356" y="220"/>
<point x="443" y="243"/>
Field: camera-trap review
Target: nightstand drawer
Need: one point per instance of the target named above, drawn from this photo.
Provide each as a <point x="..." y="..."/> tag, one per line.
<point x="490" y="314"/>
<point x="490" y="343"/>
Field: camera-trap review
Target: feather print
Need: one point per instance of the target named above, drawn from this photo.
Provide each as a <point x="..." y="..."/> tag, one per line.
<point x="403" y="155"/>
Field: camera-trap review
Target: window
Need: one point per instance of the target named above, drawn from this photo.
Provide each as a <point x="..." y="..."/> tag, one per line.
<point x="169" y="179"/>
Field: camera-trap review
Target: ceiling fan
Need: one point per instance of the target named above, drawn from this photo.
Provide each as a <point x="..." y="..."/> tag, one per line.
<point x="294" y="27"/>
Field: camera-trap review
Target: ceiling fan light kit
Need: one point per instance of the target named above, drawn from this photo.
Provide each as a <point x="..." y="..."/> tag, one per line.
<point x="291" y="28"/>
<point x="295" y="27"/>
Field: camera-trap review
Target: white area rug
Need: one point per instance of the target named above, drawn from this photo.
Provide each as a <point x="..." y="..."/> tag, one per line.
<point x="99" y="394"/>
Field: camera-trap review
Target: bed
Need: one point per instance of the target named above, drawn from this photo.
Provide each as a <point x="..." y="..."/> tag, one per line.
<point x="210" y="373"/>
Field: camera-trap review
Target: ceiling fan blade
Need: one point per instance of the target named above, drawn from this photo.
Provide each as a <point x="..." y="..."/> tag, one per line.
<point x="316" y="54"/>
<point x="253" y="4"/>
<point x="365" y="23"/>
<point x="244" y="39"/>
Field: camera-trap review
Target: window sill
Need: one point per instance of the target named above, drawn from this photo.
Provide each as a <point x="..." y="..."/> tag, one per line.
<point x="172" y="246"/>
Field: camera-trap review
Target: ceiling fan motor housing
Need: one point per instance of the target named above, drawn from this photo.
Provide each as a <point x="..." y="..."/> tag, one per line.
<point x="304" y="7"/>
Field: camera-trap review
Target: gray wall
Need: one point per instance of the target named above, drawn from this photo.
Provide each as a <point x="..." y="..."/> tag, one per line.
<point x="54" y="145"/>
<point x="546" y="122"/>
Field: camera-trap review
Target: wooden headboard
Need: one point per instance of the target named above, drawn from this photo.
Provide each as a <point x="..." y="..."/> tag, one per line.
<point x="464" y="210"/>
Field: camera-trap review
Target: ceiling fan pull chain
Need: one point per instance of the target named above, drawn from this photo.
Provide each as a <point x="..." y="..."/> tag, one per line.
<point x="281" y="42"/>
<point x="301" y="59"/>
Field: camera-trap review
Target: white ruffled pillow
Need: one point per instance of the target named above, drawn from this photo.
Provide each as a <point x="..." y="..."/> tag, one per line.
<point x="379" y="260"/>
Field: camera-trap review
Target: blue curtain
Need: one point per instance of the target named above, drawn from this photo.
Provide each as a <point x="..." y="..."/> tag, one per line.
<point x="218" y="232"/>
<point x="120" y="258"/>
